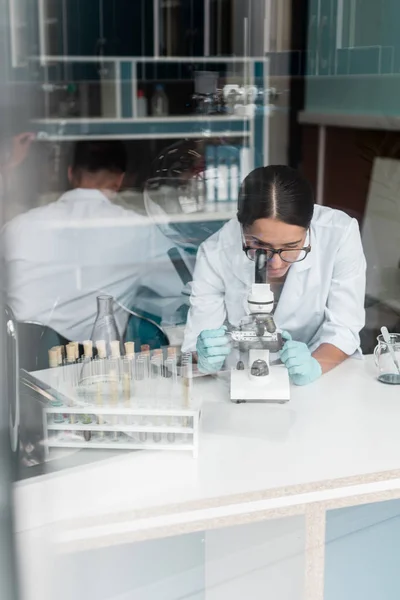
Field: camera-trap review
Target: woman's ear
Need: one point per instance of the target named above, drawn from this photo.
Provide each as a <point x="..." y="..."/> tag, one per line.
<point x="70" y="176"/>
<point x="119" y="182"/>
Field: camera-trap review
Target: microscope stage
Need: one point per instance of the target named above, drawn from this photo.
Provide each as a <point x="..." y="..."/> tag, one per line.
<point x="275" y="388"/>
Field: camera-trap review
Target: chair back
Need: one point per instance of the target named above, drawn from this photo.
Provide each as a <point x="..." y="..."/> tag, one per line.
<point x="35" y="340"/>
<point x="143" y="330"/>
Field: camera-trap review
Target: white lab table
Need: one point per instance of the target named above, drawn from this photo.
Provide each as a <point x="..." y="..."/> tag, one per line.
<point x="335" y="444"/>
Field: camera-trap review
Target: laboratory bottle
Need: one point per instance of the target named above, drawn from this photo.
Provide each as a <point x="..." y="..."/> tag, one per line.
<point x="223" y="181"/>
<point x="211" y="173"/>
<point x="234" y="180"/>
<point x="141" y="105"/>
<point x="159" y="102"/>
<point x="105" y="327"/>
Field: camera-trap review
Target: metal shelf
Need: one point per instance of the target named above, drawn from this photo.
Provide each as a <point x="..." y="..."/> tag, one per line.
<point x="125" y="428"/>
<point x="149" y="128"/>
<point x="122" y="446"/>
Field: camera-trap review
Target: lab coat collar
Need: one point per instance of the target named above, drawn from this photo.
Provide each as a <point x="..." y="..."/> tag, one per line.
<point x="84" y="194"/>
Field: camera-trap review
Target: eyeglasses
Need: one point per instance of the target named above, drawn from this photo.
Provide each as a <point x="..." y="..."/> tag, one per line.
<point x="288" y="256"/>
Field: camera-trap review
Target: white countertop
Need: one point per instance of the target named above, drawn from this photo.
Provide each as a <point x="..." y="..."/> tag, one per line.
<point x="336" y="437"/>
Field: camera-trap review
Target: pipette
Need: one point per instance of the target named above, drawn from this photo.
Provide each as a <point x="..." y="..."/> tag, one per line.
<point x="386" y="337"/>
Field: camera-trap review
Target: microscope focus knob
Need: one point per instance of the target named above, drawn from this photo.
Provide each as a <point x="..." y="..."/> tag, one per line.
<point x="259" y="368"/>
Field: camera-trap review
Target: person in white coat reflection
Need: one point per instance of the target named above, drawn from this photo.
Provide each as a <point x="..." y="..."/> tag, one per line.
<point x="59" y="257"/>
<point x="315" y="265"/>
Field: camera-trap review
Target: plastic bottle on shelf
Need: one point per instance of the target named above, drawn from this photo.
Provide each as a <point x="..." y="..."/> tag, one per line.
<point x="234" y="179"/>
<point x="223" y="181"/>
<point x="159" y="102"/>
<point x="141" y="105"/>
<point x="210" y="173"/>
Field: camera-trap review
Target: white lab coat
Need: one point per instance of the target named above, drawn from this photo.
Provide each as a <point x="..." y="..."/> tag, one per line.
<point x="59" y="257"/>
<point x="322" y="300"/>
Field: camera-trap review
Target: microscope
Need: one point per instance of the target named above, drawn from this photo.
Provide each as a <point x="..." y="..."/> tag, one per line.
<point x="254" y="379"/>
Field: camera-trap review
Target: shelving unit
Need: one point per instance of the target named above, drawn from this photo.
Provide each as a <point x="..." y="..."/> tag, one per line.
<point x="121" y="94"/>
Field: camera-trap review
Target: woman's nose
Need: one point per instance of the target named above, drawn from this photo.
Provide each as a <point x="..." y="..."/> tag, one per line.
<point x="276" y="262"/>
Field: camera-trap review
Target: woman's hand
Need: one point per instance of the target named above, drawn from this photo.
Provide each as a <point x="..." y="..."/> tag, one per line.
<point x="213" y="346"/>
<point x="302" y="366"/>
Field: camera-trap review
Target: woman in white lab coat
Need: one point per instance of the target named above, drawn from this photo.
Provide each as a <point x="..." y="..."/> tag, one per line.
<point x="315" y="265"/>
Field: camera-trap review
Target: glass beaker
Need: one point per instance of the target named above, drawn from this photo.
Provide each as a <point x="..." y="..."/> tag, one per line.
<point x="105" y="327"/>
<point x="387" y="370"/>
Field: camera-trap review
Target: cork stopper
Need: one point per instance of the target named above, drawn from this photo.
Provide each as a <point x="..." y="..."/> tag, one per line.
<point x="76" y="344"/>
<point x="53" y="357"/>
<point x="88" y="348"/>
<point x="145" y="348"/>
<point x="171" y="352"/>
<point x="60" y="354"/>
<point x="130" y="349"/>
<point x="115" y="349"/>
<point x="101" y="349"/>
<point x="71" y="352"/>
<point x="157" y="352"/>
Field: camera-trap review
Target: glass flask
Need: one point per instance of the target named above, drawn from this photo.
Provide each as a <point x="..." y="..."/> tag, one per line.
<point x="105" y="326"/>
<point x="387" y="369"/>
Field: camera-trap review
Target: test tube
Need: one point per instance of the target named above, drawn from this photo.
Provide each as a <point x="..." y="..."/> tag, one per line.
<point x="54" y="382"/>
<point x="99" y="368"/>
<point x="126" y="381"/>
<point x="101" y="349"/>
<point x="53" y="357"/>
<point x="170" y="371"/>
<point x="88" y="349"/>
<point x="115" y="376"/>
<point x="71" y="374"/>
<point x="76" y="345"/>
<point x="114" y="398"/>
<point x="140" y="368"/>
<point x="60" y="354"/>
<point x="140" y="376"/>
<point x="86" y="376"/>
<point x="156" y="367"/>
<point x="71" y="360"/>
<point x="115" y="349"/>
<point x="100" y="360"/>
<point x="187" y="373"/>
<point x="126" y="387"/>
<point x="115" y="357"/>
<point x="171" y="351"/>
<point x="99" y="403"/>
<point x="130" y="355"/>
<point x="156" y="380"/>
<point x="145" y="352"/>
<point x="130" y="350"/>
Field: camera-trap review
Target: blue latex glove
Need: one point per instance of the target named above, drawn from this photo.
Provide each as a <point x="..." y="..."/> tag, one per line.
<point x="302" y="366"/>
<point x="213" y="346"/>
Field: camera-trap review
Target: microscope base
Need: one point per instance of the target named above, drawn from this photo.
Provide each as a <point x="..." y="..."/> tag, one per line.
<point x="275" y="389"/>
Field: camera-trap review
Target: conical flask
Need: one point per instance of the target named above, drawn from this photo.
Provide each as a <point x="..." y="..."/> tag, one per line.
<point x="105" y="327"/>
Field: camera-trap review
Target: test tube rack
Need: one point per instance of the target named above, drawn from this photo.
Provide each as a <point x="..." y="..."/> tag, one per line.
<point x="110" y="414"/>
